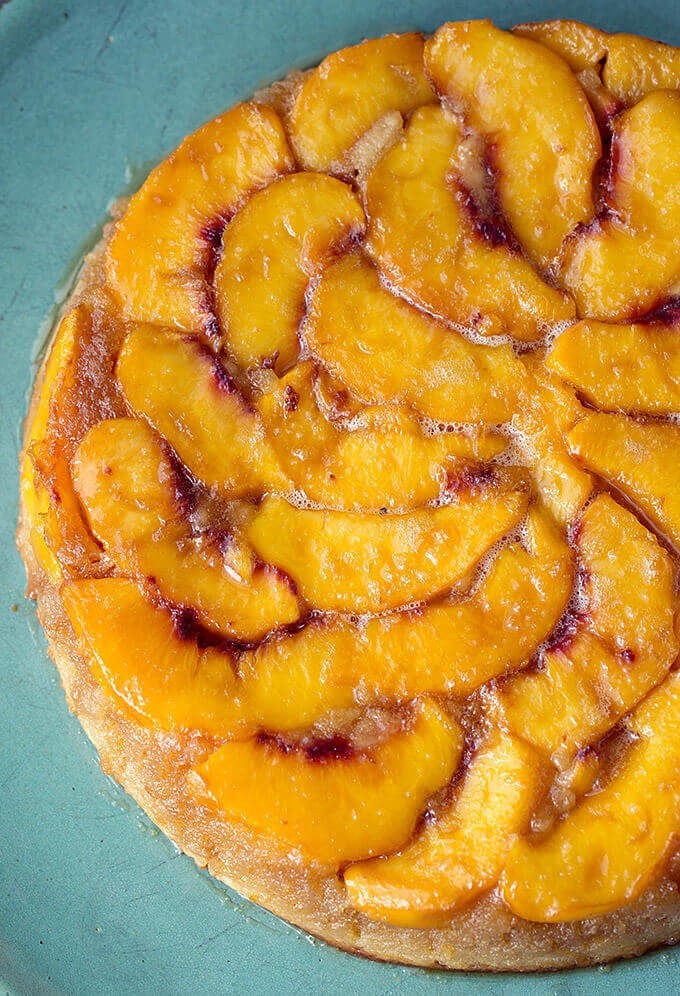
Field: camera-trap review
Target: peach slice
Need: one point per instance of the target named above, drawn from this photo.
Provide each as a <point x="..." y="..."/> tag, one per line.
<point x="159" y="257"/>
<point x="615" y="841"/>
<point x="58" y="532"/>
<point x="422" y="235"/>
<point x="354" y="562"/>
<point x="133" y="498"/>
<point x="571" y="700"/>
<point x="525" y="100"/>
<point x="631" y="66"/>
<point x="350" y="90"/>
<point x="625" y="262"/>
<point x="386" y="351"/>
<point x="641" y="458"/>
<point x="142" y="661"/>
<point x="337" y="809"/>
<point x="183" y="390"/>
<point x="269" y="252"/>
<point x="384" y="461"/>
<point x="35" y="494"/>
<point x="634" y="368"/>
<point x="463" y="853"/>
<point x="580" y="45"/>
<point x="624" y="643"/>
<point x="584" y="49"/>
<point x="547" y="411"/>
<point x="636" y="66"/>
<point x="451" y="647"/>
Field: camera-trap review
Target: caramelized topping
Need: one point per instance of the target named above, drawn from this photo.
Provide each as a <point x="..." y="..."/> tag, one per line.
<point x="356" y="477"/>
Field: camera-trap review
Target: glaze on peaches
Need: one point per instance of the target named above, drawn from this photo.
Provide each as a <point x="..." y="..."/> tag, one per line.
<point x="351" y="496"/>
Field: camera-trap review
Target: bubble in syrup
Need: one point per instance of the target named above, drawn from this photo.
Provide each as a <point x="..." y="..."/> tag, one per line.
<point x="300" y="500"/>
<point x="433" y="427"/>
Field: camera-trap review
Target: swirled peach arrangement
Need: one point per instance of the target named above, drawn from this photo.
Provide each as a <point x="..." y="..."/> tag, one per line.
<point x="351" y="496"/>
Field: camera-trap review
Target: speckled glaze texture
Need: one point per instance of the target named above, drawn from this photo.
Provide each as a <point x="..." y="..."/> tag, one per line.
<point x="92" y="93"/>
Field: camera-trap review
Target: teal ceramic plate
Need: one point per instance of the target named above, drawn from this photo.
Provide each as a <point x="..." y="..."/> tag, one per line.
<point x="92" y="92"/>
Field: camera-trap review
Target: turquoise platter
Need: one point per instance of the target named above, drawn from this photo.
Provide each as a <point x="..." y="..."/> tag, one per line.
<point x="92" y="93"/>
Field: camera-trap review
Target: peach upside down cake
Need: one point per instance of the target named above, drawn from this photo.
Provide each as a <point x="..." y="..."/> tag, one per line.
<point x="351" y="496"/>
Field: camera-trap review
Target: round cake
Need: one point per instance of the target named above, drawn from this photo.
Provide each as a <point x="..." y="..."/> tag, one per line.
<point x="350" y="497"/>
